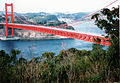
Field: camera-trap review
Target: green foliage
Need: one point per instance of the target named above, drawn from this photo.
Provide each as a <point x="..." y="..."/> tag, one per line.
<point x="6" y="64"/>
<point x="111" y="27"/>
<point x="48" y="55"/>
<point x="72" y="50"/>
<point x="94" y="79"/>
<point x="69" y="66"/>
<point x="21" y="60"/>
<point x="111" y="23"/>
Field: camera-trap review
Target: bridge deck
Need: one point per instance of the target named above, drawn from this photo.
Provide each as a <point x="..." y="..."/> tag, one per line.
<point x="47" y="27"/>
<point x="90" y="37"/>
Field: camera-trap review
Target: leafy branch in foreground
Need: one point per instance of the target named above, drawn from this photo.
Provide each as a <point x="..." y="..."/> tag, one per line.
<point x="111" y="26"/>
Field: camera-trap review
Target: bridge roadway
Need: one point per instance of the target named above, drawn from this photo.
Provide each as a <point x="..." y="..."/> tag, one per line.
<point x="90" y="37"/>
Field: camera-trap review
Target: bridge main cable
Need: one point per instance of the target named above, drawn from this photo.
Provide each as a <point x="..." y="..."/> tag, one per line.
<point x="93" y="13"/>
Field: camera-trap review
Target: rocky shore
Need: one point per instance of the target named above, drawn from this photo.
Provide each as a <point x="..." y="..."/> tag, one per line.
<point x="30" y="35"/>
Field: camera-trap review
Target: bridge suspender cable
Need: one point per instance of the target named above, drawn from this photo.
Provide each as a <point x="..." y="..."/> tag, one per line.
<point x="29" y="20"/>
<point x="21" y="19"/>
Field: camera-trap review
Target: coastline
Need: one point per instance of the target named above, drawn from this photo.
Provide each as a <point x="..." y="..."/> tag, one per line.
<point x="33" y="38"/>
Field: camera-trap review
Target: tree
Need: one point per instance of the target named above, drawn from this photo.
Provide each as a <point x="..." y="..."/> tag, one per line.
<point x="6" y="64"/>
<point x="111" y="27"/>
<point x="48" y="55"/>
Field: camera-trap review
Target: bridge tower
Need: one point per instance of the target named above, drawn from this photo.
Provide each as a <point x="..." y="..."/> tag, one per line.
<point x="6" y="15"/>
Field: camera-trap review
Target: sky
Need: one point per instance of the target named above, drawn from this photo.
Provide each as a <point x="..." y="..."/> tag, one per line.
<point x="53" y="6"/>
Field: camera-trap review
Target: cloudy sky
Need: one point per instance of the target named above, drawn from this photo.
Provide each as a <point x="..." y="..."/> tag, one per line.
<point x="52" y="6"/>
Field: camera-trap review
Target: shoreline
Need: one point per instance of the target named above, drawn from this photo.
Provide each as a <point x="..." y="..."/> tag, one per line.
<point x="42" y="38"/>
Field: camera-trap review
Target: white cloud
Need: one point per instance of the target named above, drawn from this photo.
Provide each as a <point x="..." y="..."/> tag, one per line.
<point x="51" y="6"/>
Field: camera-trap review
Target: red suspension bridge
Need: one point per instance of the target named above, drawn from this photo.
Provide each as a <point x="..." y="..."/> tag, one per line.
<point x="56" y="30"/>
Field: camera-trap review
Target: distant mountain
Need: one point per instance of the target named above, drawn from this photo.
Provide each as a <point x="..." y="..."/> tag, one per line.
<point x="40" y="14"/>
<point x="43" y="18"/>
<point x="59" y="15"/>
<point x="73" y="16"/>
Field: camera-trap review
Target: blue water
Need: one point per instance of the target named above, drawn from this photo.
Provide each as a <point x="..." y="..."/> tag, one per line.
<point x="35" y="48"/>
